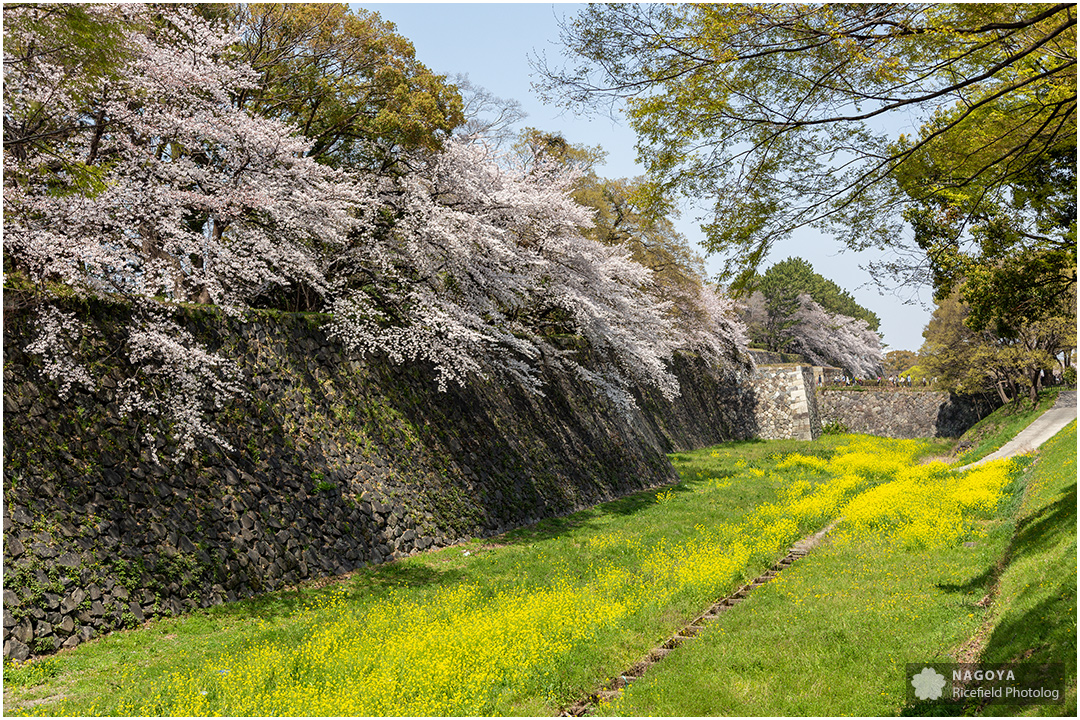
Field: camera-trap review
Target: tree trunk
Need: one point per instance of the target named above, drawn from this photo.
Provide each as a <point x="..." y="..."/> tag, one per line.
<point x="1000" y="387"/>
<point x="1036" y="385"/>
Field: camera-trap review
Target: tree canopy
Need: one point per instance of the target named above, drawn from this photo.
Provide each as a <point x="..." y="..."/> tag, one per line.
<point x="345" y="79"/>
<point x="776" y="112"/>
<point x="1010" y="247"/>
<point x="699" y="312"/>
<point x="968" y="360"/>
<point x="794" y="309"/>
<point x="791" y="277"/>
<point x="899" y="362"/>
<point x="176" y="167"/>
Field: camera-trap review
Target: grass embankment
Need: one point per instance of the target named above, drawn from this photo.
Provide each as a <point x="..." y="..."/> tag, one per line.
<point x="832" y="635"/>
<point x="1033" y="616"/>
<point x="523" y="624"/>
<point x="529" y="622"/>
<point x="1001" y="426"/>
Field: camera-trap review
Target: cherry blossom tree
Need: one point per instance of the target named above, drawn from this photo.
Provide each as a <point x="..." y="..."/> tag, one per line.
<point x="826" y="338"/>
<point x="141" y="177"/>
<point x="484" y="266"/>
<point x="165" y="189"/>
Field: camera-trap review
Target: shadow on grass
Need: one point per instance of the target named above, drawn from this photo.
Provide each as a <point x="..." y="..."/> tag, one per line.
<point x="1040" y="531"/>
<point x="550" y="528"/>
<point x="1047" y="631"/>
<point x="368" y="582"/>
<point x="1029" y="630"/>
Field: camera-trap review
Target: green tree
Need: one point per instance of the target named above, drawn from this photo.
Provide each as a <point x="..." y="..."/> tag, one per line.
<point x="1011" y="248"/>
<point x="899" y="362"/>
<point x="769" y="109"/>
<point x="968" y="360"/>
<point x="345" y="79"/>
<point x="84" y="50"/>
<point x="795" y="275"/>
<point x="773" y="313"/>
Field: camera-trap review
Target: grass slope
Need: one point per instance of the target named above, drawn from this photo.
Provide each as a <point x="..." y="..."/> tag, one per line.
<point x="1001" y="426"/>
<point x="558" y="608"/>
<point x="528" y="622"/>
<point x="832" y="635"/>
<point x="1033" y="617"/>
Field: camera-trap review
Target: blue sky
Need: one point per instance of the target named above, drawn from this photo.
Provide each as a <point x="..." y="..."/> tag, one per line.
<point x="492" y="44"/>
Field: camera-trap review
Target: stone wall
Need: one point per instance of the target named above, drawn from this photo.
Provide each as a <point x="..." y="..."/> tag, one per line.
<point x="336" y="464"/>
<point x="901" y="413"/>
<point x="786" y="404"/>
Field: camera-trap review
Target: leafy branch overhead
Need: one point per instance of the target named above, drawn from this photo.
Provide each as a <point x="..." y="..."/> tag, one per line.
<point x="786" y="116"/>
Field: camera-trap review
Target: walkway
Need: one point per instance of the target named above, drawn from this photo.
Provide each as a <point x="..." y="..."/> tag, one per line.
<point x="1045" y="427"/>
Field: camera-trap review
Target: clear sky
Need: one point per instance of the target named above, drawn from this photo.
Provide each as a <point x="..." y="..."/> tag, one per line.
<point x="492" y="44"/>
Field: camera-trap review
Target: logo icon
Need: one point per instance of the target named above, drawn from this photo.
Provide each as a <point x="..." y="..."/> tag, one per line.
<point x="928" y="684"/>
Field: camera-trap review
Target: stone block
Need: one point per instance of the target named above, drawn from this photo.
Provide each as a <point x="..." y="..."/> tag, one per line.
<point x="16" y="649"/>
<point x="23" y="632"/>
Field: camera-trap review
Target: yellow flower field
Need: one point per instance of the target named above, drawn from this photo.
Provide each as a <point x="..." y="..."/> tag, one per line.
<point x="468" y="649"/>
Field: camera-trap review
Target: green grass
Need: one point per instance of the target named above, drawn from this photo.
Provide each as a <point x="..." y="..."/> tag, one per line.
<point x="127" y="665"/>
<point x="832" y="635"/>
<point x="1001" y="426"/>
<point x="1034" y="612"/>
<point x="31" y="672"/>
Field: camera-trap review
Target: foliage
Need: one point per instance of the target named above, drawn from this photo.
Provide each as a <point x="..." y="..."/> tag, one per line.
<point x="152" y="184"/>
<point x="769" y="110"/>
<point x="79" y="49"/>
<point x="475" y="262"/>
<point x="966" y="360"/>
<point x="704" y="317"/>
<point x="834" y="428"/>
<point x="827" y="339"/>
<point x="796" y="310"/>
<point x="786" y="280"/>
<point x="345" y="80"/>
<point x="178" y="169"/>
<point x="30" y="672"/>
<point x="1007" y="238"/>
<point x="617" y="220"/>
<point x="170" y="190"/>
<point x="899" y="362"/>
